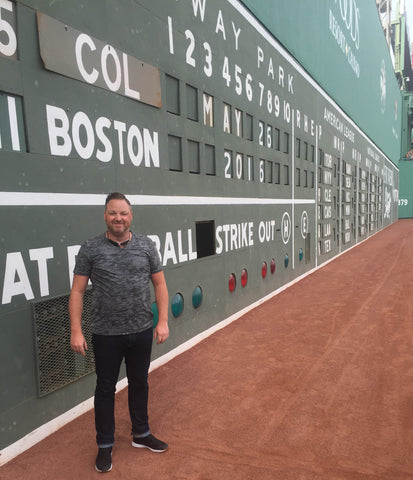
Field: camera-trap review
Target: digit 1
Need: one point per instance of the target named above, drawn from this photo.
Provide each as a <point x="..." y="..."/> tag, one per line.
<point x="171" y="38"/>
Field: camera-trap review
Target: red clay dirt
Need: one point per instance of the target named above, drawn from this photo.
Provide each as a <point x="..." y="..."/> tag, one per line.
<point x="316" y="383"/>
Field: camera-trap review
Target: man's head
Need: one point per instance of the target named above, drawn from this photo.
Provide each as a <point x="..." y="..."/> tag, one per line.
<point x="118" y="214"/>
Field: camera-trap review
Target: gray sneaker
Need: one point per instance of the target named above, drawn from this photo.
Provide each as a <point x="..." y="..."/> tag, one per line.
<point x="150" y="442"/>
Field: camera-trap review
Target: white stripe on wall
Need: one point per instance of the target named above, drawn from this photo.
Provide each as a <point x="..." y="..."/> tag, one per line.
<point x="15" y="199"/>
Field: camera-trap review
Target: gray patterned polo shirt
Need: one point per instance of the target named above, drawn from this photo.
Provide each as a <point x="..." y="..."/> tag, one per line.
<point x="121" y="298"/>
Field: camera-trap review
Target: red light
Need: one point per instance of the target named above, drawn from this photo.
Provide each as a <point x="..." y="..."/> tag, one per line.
<point x="232" y="282"/>
<point x="244" y="277"/>
<point x="264" y="269"/>
<point x="272" y="267"/>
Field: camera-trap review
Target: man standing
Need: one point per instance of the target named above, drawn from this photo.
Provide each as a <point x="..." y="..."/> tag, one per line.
<point x="120" y="265"/>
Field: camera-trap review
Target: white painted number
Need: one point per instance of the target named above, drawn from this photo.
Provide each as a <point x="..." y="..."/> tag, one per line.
<point x="238" y="83"/>
<point x="8" y="49"/>
<point x="227" y="173"/>
<point x="262" y="171"/>
<point x="238" y="164"/>
<point x="269" y="101"/>
<point x="250" y="168"/>
<point x="190" y="60"/>
<point x="208" y="59"/>
<point x="277" y="105"/>
<point x="269" y="136"/>
<point x="261" y="85"/>
<point x="225" y="72"/>
<point x="261" y="133"/>
<point x="248" y="87"/>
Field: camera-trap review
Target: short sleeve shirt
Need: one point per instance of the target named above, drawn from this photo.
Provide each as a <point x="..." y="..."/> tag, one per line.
<point x="121" y="298"/>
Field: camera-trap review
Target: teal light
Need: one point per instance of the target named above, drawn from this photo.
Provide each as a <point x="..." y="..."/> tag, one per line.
<point x="155" y="314"/>
<point x="177" y="305"/>
<point x="300" y="254"/>
<point x="197" y="296"/>
<point x="286" y="260"/>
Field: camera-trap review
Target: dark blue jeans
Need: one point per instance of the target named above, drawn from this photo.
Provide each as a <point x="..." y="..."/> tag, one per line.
<point x="109" y="352"/>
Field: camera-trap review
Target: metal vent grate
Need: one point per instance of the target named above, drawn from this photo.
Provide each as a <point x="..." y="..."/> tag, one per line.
<point x="57" y="364"/>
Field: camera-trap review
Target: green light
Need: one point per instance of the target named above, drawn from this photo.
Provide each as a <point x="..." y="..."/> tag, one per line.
<point x="286" y="260"/>
<point x="155" y="314"/>
<point x="300" y="254"/>
<point x="197" y="296"/>
<point x="177" y="305"/>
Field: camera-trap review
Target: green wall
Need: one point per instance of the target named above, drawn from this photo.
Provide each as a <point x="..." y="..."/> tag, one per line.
<point x="323" y="36"/>
<point x="406" y="190"/>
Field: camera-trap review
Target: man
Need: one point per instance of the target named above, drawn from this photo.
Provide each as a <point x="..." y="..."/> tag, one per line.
<point x="120" y="264"/>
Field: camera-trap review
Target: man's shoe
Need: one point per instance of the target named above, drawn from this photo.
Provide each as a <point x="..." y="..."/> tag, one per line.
<point x="150" y="442"/>
<point x="104" y="460"/>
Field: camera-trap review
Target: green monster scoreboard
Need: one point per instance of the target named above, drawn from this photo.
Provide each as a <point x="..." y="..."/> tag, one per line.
<point x="244" y="172"/>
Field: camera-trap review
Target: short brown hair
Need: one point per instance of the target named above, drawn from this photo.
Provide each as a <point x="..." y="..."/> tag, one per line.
<point x="116" y="196"/>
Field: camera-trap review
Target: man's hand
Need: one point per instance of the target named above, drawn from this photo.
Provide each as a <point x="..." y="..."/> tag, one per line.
<point x="161" y="332"/>
<point x="161" y="297"/>
<point x="78" y="343"/>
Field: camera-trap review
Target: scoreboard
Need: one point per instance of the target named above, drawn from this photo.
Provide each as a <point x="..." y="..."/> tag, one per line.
<point x="239" y="166"/>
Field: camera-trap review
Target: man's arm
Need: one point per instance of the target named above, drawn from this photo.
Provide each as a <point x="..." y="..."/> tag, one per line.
<point x="77" y="341"/>
<point x="162" y="300"/>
